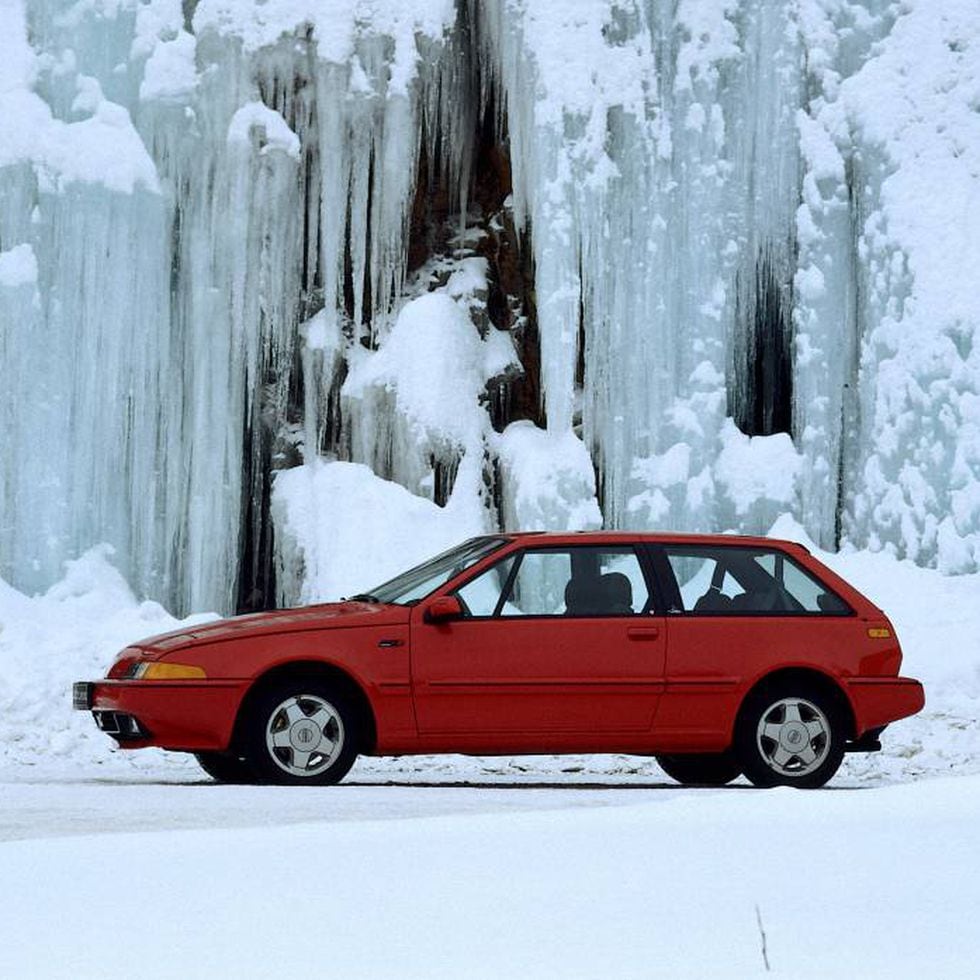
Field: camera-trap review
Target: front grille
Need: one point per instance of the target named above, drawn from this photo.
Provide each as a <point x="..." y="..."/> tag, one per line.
<point x="120" y="725"/>
<point x="81" y="695"/>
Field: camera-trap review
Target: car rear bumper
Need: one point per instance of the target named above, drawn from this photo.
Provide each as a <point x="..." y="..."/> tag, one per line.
<point x="181" y="715"/>
<point x="877" y="701"/>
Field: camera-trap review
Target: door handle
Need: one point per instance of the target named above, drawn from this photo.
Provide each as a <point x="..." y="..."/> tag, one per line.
<point x="643" y="632"/>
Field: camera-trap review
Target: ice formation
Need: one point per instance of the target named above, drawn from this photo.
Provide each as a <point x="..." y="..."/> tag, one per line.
<point x="552" y="262"/>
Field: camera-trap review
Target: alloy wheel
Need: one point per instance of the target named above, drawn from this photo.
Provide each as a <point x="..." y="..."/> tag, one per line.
<point x="793" y="737"/>
<point x="304" y="735"/>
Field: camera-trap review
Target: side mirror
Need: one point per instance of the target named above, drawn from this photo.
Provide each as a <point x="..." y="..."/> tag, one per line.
<point x="444" y="609"/>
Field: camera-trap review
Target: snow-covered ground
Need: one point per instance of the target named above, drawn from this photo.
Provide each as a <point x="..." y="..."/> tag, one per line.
<point x="482" y="882"/>
<point x="452" y="866"/>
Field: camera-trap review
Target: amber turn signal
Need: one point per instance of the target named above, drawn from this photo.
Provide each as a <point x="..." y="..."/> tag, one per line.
<point x="879" y="633"/>
<point x="162" y="671"/>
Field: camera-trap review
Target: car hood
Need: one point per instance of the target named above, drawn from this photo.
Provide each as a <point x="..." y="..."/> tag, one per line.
<point x="327" y="616"/>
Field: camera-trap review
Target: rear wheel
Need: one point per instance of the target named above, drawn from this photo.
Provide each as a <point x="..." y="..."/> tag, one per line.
<point x="224" y="767"/>
<point x="701" y="769"/>
<point x="302" y="732"/>
<point x="790" y="734"/>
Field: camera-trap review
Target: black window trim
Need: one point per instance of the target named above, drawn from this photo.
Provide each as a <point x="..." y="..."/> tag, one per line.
<point x="675" y="607"/>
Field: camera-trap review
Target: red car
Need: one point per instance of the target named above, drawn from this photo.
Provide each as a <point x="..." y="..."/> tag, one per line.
<point x="719" y="655"/>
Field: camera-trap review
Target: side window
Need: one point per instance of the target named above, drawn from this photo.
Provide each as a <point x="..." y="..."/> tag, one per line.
<point x="701" y="578"/>
<point x="585" y="581"/>
<point x="481" y="595"/>
<point x="805" y="590"/>
<point x="743" y="581"/>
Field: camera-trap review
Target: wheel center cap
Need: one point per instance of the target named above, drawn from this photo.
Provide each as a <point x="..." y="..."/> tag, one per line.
<point x="794" y="737"/>
<point x="304" y="736"/>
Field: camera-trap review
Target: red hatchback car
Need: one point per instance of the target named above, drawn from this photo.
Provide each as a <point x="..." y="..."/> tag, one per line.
<point x="719" y="655"/>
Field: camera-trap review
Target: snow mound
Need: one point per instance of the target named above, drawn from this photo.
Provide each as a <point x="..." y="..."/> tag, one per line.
<point x="435" y="365"/>
<point x="759" y="475"/>
<point x="341" y="530"/>
<point x="547" y="480"/>
<point x="170" y="72"/>
<point x="71" y="632"/>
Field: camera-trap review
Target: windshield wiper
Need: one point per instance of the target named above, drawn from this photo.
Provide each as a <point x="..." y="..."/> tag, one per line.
<point x="363" y="597"/>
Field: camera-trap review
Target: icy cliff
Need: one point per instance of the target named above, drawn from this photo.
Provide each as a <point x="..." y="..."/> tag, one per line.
<point x="551" y="262"/>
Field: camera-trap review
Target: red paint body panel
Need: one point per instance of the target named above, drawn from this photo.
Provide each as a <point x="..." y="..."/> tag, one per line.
<point x="178" y="714"/>
<point x="526" y="677"/>
<point x="877" y="700"/>
<point x="238" y="657"/>
<point x="642" y="683"/>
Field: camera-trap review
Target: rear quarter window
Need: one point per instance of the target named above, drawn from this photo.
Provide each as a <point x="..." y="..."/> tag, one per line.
<point x="731" y="580"/>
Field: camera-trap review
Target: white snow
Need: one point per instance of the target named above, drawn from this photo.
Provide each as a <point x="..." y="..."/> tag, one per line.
<point x="18" y="266"/>
<point x="596" y="865"/>
<point x="322" y="333"/>
<point x="547" y="481"/>
<point x="47" y="641"/>
<point x="193" y="194"/>
<point x="758" y="472"/>
<point x="275" y="134"/>
<point x="170" y="72"/>
<point x="156" y="21"/>
<point x="435" y="365"/>
<point x="341" y="530"/>
<point x="651" y="884"/>
<point x="416" y="407"/>
<point x="103" y="149"/>
<point x="335" y="27"/>
<point x="179" y="204"/>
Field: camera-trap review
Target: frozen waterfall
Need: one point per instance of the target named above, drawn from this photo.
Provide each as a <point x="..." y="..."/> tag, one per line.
<point x="555" y="262"/>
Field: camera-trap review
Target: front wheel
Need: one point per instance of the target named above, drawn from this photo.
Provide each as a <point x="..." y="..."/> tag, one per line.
<point x="225" y="767"/>
<point x="790" y="735"/>
<point x="701" y="768"/>
<point x="302" y="732"/>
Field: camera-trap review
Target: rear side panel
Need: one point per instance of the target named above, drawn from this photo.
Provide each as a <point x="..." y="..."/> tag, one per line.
<point x="716" y="657"/>
<point x="713" y="662"/>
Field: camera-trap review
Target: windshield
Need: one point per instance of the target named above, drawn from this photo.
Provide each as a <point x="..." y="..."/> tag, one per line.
<point x="418" y="582"/>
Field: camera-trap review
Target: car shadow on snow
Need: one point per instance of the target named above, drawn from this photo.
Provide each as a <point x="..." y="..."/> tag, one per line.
<point x="546" y="785"/>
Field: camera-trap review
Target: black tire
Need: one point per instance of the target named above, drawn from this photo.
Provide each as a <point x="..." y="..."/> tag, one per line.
<point x="701" y="768"/>
<point x="225" y="767"/>
<point x="778" y="719"/>
<point x="310" y="719"/>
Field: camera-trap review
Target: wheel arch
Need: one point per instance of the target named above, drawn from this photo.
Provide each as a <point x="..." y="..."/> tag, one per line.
<point x="810" y="677"/>
<point x="314" y="670"/>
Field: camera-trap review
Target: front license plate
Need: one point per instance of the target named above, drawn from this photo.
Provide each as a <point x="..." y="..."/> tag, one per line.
<point x="81" y="695"/>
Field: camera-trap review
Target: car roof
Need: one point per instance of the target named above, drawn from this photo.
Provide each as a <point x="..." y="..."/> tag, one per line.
<point x="659" y="537"/>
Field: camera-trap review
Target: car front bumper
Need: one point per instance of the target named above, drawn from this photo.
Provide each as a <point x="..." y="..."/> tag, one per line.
<point x="191" y="716"/>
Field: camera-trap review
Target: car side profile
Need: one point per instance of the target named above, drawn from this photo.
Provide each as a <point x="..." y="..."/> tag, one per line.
<point x="719" y="655"/>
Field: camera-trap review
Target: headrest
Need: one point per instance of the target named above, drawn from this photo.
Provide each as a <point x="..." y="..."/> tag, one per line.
<point x="616" y="589"/>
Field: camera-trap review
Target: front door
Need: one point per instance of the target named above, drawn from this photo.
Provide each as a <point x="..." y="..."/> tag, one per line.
<point x="554" y="641"/>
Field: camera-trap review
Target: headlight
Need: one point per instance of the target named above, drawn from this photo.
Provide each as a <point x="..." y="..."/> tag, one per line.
<point x="162" y="671"/>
